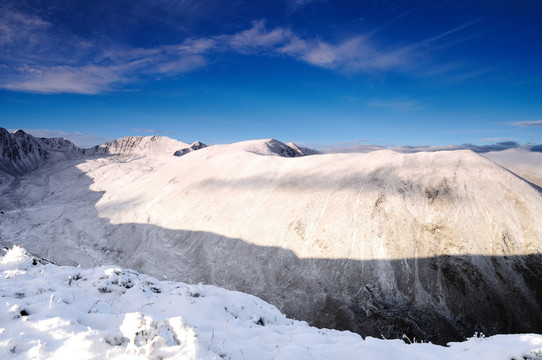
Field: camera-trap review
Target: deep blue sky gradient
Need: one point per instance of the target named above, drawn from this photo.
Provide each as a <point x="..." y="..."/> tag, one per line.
<point x="311" y="71"/>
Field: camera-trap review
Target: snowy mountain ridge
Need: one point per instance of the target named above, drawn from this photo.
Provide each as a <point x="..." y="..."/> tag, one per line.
<point x="138" y="146"/>
<point x="433" y="245"/>
<point x="21" y="153"/>
<point x="24" y="152"/>
<point x="55" y="312"/>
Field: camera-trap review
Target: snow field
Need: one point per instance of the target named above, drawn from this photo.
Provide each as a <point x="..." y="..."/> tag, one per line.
<point x="54" y="312"/>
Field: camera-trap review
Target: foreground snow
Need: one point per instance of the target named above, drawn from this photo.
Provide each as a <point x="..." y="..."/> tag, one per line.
<point x="50" y="311"/>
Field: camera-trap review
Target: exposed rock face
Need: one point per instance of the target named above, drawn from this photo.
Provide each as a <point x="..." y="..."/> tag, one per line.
<point x="195" y="146"/>
<point x="286" y="150"/>
<point x="432" y="245"/>
<point x="21" y="153"/>
<point x="301" y="150"/>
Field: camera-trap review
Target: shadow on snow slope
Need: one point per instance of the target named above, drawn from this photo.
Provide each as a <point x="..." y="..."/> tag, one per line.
<point x="438" y="299"/>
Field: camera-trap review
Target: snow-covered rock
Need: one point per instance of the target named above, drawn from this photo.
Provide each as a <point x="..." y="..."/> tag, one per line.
<point x="53" y="312"/>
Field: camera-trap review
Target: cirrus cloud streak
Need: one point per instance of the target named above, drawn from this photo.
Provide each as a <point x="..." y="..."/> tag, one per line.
<point x="535" y="123"/>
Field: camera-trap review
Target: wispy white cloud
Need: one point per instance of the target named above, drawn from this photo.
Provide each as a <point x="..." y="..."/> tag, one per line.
<point x="354" y="54"/>
<point x="150" y="131"/>
<point x="432" y="40"/>
<point x="181" y="65"/>
<point x="498" y="139"/>
<point x="38" y="57"/>
<point x="534" y="123"/>
<point x="258" y="37"/>
<point x="17" y="28"/>
<point x="44" y="66"/>
<point x="47" y="65"/>
<point x="396" y="105"/>
<point x="88" y="79"/>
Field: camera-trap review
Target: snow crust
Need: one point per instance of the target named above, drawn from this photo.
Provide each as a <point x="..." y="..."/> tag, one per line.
<point x="55" y="312"/>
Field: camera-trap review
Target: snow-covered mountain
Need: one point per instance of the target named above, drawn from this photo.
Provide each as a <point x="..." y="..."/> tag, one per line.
<point x="21" y="153"/>
<point x="138" y="146"/>
<point x="48" y="311"/>
<point x="433" y="245"/>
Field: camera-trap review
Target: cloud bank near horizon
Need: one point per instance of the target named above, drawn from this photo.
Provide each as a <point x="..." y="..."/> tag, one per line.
<point x="362" y="147"/>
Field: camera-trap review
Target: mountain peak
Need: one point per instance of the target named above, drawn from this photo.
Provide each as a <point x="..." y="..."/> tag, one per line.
<point x="273" y="147"/>
<point x="21" y="152"/>
<point x="138" y="146"/>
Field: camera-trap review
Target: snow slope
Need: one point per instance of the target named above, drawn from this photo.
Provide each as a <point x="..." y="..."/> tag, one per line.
<point x="53" y="312"/>
<point x="433" y="245"/>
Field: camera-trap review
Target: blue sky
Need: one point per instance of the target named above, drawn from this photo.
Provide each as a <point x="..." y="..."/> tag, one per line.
<point x="328" y="74"/>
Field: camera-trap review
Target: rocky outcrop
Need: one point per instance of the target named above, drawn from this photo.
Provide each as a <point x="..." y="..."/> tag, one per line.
<point x="193" y="147"/>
